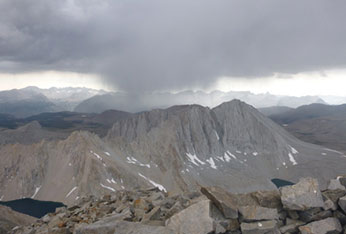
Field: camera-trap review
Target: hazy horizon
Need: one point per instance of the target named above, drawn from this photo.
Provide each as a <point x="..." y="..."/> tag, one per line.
<point x="157" y="46"/>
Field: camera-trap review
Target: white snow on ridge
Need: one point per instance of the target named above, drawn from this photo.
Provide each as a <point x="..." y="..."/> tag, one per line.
<point x="36" y="191"/>
<point x="211" y="162"/>
<point x="72" y="190"/>
<point x="294" y="151"/>
<point x="159" y="186"/>
<point x="194" y="159"/>
<point x="335" y="151"/>
<point x="294" y="162"/>
<point x="106" y="187"/>
<point x="217" y="135"/>
<point x="96" y="155"/>
<point x="134" y="161"/>
<point x="230" y="154"/>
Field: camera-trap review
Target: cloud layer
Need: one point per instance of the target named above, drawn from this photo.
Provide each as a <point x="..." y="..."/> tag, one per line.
<point x="159" y="45"/>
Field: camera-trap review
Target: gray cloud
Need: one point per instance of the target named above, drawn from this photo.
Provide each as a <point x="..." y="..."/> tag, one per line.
<point x="154" y="45"/>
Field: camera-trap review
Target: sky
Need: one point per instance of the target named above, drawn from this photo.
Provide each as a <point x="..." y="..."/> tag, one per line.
<point x="278" y="46"/>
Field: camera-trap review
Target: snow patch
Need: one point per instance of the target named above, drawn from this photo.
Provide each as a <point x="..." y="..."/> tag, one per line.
<point x="284" y="163"/>
<point x="108" y="154"/>
<point x="194" y="159"/>
<point x="238" y="152"/>
<point x="134" y="161"/>
<point x="217" y="135"/>
<point x="211" y="162"/>
<point x="335" y="151"/>
<point x="294" y="162"/>
<point x="36" y="191"/>
<point x="106" y="187"/>
<point x="153" y="183"/>
<point x="230" y="154"/>
<point x="70" y="164"/>
<point x="227" y="158"/>
<point x="2" y="197"/>
<point x="77" y="198"/>
<point x="293" y="150"/>
<point x="109" y="181"/>
<point x="72" y="190"/>
<point x="324" y="154"/>
<point x="113" y="181"/>
<point x="96" y="155"/>
<point x="255" y="153"/>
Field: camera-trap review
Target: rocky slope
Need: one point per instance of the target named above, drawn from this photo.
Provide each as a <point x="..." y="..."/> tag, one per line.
<point x="316" y="123"/>
<point x="176" y="149"/>
<point x="300" y="208"/>
<point x="10" y="219"/>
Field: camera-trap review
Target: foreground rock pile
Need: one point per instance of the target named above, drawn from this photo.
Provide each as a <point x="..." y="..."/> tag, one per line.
<point x="300" y="208"/>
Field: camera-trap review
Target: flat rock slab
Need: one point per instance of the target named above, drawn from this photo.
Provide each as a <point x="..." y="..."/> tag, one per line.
<point x="325" y="226"/>
<point x="193" y="220"/>
<point x="122" y="227"/>
<point x="304" y="195"/>
<point x="257" y="213"/>
<point x="342" y="203"/>
<point x="222" y="200"/>
<point x="263" y="227"/>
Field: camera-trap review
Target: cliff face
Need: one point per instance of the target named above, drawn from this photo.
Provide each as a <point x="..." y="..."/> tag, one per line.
<point x="176" y="149"/>
<point x="232" y="145"/>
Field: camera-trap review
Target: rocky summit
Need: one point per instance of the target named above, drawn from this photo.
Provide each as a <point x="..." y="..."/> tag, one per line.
<point x="211" y="211"/>
<point x="179" y="149"/>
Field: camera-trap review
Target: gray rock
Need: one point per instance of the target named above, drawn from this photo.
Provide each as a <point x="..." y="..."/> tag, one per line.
<point x="342" y="180"/>
<point x="257" y="213"/>
<point x="342" y="203"/>
<point x="314" y="214"/>
<point x="292" y="227"/>
<point x="269" y="199"/>
<point x="325" y="226"/>
<point x="329" y="205"/>
<point x="222" y="200"/>
<point x="193" y="220"/>
<point x="333" y="195"/>
<point x="335" y="184"/>
<point x="304" y="195"/>
<point x="122" y="227"/>
<point x="259" y="227"/>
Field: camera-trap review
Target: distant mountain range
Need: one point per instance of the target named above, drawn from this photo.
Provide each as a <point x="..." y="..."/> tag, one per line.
<point x="29" y="101"/>
<point x="132" y="103"/>
<point x="176" y="149"/>
<point x="22" y="103"/>
<point x="316" y="123"/>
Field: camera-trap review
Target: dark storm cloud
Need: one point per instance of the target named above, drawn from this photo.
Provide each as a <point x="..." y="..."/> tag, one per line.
<point x="154" y="45"/>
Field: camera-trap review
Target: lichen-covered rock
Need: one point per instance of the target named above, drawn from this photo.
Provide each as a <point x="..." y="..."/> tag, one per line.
<point x="325" y="226"/>
<point x="193" y="220"/>
<point x="304" y="195"/>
